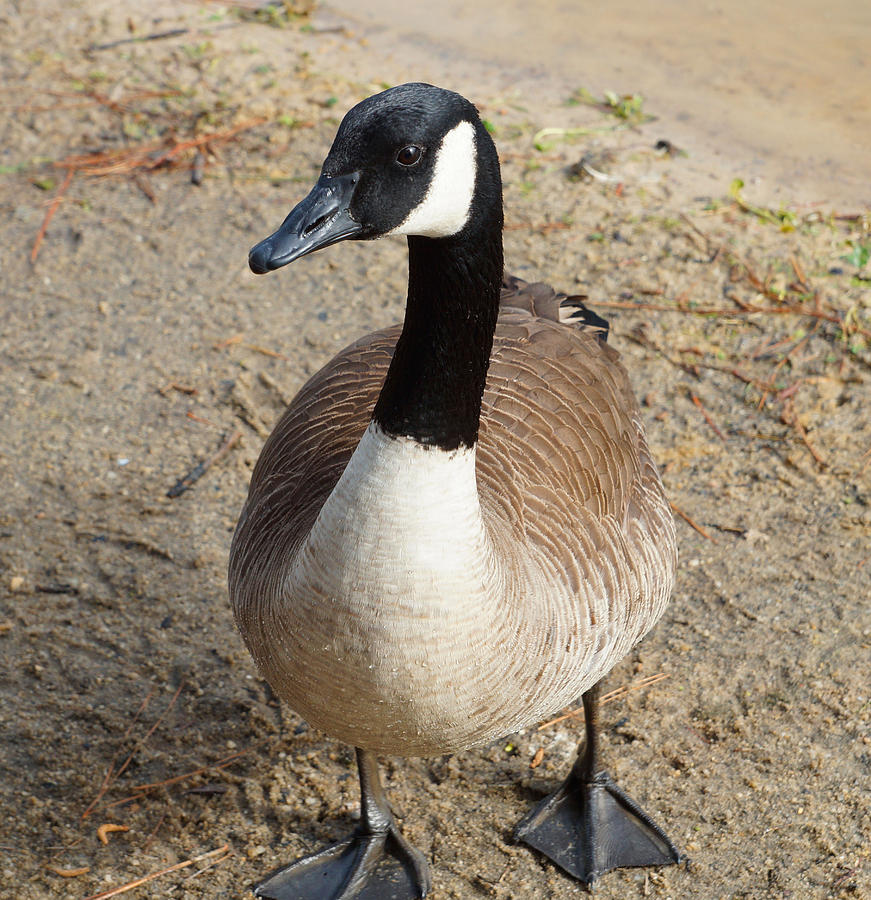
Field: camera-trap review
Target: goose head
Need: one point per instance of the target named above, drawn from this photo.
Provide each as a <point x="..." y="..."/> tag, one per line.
<point x="414" y="160"/>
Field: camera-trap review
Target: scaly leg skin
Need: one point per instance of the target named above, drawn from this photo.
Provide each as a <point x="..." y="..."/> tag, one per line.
<point x="589" y="826"/>
<point x="375" y="863"/>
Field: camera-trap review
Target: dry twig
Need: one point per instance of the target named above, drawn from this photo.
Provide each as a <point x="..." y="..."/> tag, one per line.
<point x="143" y="790"/>
<point x="147" y="156"/>
<point x="617" y="694"/>
<point x="181" y="388"/>
<point x="228" y="342"/>
<point x="111" y="775"/>
<point x="202" y="420"/>
<point x="146" y="878"/>
<point x="691" y="522"/>
<point x="104" y="831"/>
<point x="139" y="39"/>
<point x="69" y="873"/>
<point x="266" y="351"/>
<point x="790" y="417"/>
<point x="197" y="472"/>
<point x="220" y="764"/>
<point x="708" y="419"/>
<point x="744" y="310"/>
<point x="49" y="215"/>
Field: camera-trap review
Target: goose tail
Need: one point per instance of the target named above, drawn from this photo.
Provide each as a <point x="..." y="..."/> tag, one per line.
<point x="543" y="301"/>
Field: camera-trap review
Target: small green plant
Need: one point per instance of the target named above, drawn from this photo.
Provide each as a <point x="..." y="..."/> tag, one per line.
<point x="628" y="107"/>
<point x="278" y="14"/>
<point x="581" y="96"/>
<point x="132" y="129"/>
<point x="542" y="140"/>
<point x="858" y="255"/>
<point x="16" y="168"/>
<point x="785" y="218"/>
<point x="197" y="51"/>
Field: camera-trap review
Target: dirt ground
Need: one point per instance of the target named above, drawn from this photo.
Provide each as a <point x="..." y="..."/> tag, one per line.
<point x="138" y="344"/>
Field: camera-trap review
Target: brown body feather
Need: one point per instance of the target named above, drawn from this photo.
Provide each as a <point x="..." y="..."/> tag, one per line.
<point x="564" y="476"/>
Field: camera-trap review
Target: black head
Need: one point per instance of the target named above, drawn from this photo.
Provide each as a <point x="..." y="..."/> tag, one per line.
<point x="413" y="160"/>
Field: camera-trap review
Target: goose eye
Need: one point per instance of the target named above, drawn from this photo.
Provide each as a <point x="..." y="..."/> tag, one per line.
<point x="409" y="156"/>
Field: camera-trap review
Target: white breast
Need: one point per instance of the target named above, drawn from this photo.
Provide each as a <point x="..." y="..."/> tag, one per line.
<point x="391" y="601"/>
<point x="403" y="522"/>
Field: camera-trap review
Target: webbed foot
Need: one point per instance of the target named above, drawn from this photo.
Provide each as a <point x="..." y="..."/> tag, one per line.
<point x="380" y="866"/>
<point x="374" y="863"/>
<point x="590" y="826"/>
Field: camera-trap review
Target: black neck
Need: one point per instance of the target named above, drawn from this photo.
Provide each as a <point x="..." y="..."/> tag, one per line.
<point x="435" y="383"/>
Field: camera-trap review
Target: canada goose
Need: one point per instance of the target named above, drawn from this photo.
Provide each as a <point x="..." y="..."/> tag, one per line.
<point x="434" y="553"/>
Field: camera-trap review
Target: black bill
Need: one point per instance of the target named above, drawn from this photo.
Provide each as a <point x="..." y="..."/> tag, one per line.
<point x="323" y="218"/>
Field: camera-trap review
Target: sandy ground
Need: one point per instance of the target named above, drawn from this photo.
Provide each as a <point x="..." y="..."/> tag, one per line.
<point x="138" y="343"/>
<point x="778" y="99"/>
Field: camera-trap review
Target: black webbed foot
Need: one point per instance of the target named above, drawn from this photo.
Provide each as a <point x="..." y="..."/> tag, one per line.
<point x="374" y="863"/>
<point x="590" y="826"/>
<point x="364" y="867"/>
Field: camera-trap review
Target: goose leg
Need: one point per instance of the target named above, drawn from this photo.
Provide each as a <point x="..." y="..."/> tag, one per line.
<point x="374" y="863"/>
<point x="589" y="826"/>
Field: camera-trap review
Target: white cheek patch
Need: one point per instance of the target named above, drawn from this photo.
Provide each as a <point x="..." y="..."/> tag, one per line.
<point x="445" y="208"/>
